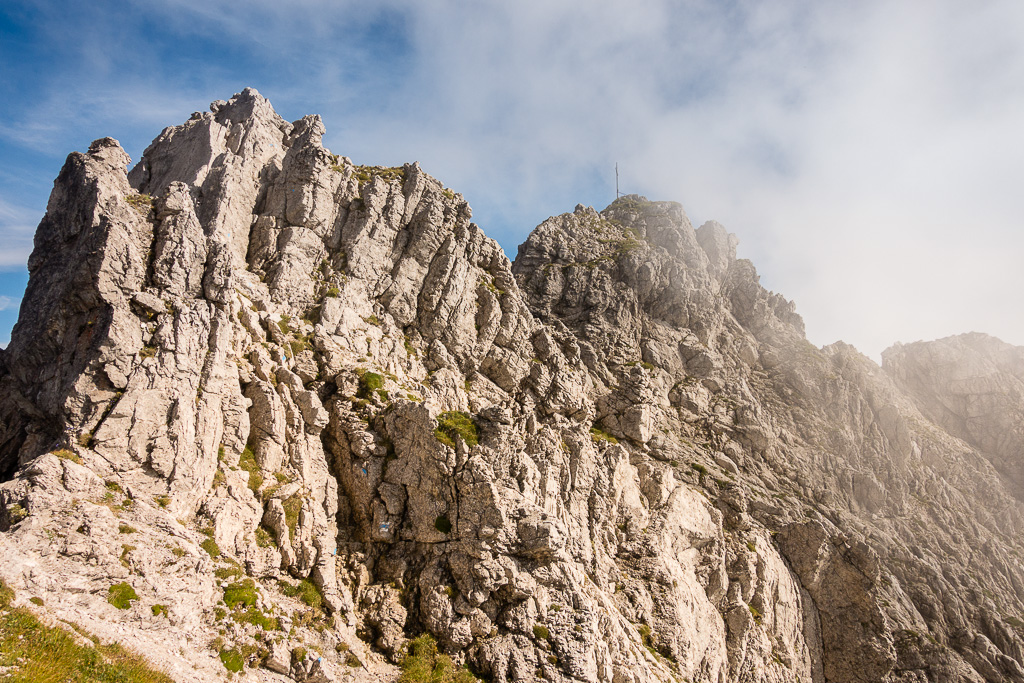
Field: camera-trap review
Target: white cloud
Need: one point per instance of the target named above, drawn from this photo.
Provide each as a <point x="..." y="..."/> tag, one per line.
<point x="7" y="303"/>
<point x="869" y="155"/>
<point x="17" y="225"/>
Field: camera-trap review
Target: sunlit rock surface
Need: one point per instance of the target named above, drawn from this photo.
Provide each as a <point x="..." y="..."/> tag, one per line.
<point x="616" y="459"/>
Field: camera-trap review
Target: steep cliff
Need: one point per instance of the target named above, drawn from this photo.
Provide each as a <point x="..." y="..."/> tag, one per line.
<point x="615" y="459"/>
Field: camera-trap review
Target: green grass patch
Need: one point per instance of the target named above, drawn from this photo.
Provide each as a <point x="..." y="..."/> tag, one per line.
<point x="454" y="423"/>
<point x="247" y="462"/>
<point x="211" y="547"/>
<point x="232" y="659"/>
<point x="364" y="174"/>
<point x="305" y="590"/>
<point x="232" y="571"/>
<point x="36" y="652"/>
<point x="256" y="617"/>
<point x="120" y="595"/>
<point x="158" y="610"/>
<point x="369" y="383"/>
<point x="16" y="513"/>
<point x="264" y="539"/>
<point x="540" y="632"/>
<point x="240" y="594"/>
<point x="140" y="202"/>
<point x="292" y="505"/>
<point x="424" y="664"/>
<point x="65" y="454"/>
<point x="599" y="434"/>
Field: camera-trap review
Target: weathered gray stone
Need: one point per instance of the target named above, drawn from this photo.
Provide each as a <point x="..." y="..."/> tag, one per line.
<point x="615" y="459"/>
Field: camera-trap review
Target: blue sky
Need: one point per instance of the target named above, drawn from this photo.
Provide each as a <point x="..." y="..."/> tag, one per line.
<point x="869" y="155"/>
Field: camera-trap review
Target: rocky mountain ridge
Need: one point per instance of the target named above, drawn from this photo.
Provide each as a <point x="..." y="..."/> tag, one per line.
<point x="615" y="459"/>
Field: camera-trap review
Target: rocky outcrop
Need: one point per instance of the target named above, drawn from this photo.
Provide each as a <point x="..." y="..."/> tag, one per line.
<point x="615" y="459"/>
<point x="973" y="387"/>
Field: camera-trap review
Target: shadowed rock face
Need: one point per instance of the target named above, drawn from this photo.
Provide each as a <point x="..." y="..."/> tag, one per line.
<point x="654" y="475"/>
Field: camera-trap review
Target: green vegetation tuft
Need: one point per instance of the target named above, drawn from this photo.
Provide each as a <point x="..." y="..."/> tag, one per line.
<point x="443" y="524"/>
<point x="254" y="616"/>
<point x="16" y="513"/>
<point x="454" y="423"/>
<point x="140" y="202"/>
<point x="365" y="174"/>
<point x="120" y="595"/>
<point x="410" y="350"/>
<point x="292" y="505"/>
<point x="305" y="590"/>
<point x="209" y="545"/>
<point x="599" y="434"/>
<point x="65" y="454"/>
<point x="424" y="664"/>
<point x="6" y="594"/>
<point x="264" y="539"/>
<point x="369" y="383"/>
<point x="247" y="462"/>
<point x="232" y="659"/>
<point x="240" y="593"/>
<point x="158" y="610"/>
<point x="540" y="632"/>
<point x="231" y="571"/>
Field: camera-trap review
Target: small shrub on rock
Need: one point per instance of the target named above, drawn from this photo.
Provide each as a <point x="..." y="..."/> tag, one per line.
<point x="454" y="423"/>
<point x="424" y="664"/>
<point x="120" y="595"/>
<point x="240" y="593"/>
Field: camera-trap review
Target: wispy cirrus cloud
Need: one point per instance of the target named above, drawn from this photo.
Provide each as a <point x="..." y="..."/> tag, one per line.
<point x="17" y="225"/>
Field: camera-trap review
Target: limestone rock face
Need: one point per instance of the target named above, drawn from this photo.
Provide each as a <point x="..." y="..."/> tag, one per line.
<point x="251" y="368"/>
<point x="973" y="387"/>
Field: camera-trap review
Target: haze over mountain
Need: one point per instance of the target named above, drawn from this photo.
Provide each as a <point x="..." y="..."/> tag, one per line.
<point x="868" y="155"/>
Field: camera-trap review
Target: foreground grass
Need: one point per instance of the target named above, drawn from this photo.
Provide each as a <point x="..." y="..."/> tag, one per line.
<point x="46" y="654"/>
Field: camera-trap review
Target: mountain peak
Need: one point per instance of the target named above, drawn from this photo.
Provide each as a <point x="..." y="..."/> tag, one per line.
<point x="332" y="416"/>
